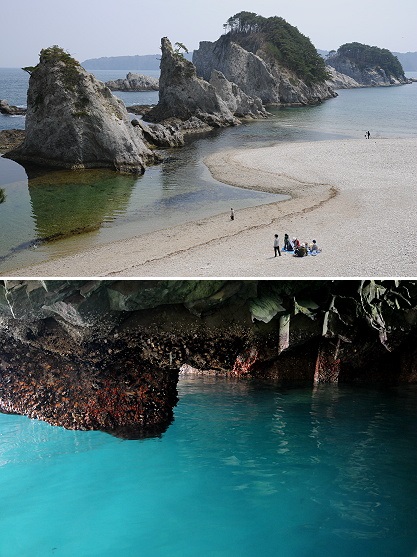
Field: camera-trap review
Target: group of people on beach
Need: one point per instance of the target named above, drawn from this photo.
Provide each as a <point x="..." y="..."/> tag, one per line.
<point x="295" y="246"/>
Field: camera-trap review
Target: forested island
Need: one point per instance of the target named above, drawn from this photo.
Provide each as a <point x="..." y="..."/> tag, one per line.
<point x="368" y="65"/>
<point x="280" y="41"/>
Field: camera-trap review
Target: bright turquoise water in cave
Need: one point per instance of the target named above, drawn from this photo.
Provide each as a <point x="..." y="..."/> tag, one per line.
<point x="244" y="470"/>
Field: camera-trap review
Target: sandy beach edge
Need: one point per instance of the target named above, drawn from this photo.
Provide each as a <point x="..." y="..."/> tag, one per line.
<point x="315" y="174"/>
<point x="122" y="256"/>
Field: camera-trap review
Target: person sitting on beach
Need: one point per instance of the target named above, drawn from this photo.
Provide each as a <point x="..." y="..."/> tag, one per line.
<point x="314" y="248"/>
<point x="287" y="243"/>
<point x="300" y="251"/>
<point x="295" y="243"/>
<point x="276" y="245"/>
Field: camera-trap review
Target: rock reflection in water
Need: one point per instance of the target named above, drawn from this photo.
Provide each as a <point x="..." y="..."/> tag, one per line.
<point x="65" y="203"/>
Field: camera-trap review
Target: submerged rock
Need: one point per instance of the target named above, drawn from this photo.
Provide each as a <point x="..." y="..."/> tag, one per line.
<point x="73" y="120"/>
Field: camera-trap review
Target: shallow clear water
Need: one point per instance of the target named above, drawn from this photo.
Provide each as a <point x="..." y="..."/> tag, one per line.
<point x="244" y="470"/>
<point x="95" y="207"/>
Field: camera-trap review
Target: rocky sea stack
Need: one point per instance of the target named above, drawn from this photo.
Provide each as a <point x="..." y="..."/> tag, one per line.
<point x="266" y="58"/>
<point x="184" y="96"/>
<point x="368" y="66"/>
<point x="73" y="120"/>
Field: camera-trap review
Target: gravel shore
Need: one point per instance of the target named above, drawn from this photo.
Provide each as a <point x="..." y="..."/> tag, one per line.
<point x="355" y="197"/>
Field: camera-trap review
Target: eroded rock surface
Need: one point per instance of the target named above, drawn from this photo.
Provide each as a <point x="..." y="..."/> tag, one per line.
<point x="73" y="121"/>
<point x="106" y="354"/>
<point x="10" y="139"/>
<point x="182" y="95"/>
<point x="366" y="76"/>
<point x="134" y="82"/>
<point x="340" y="80"/>
<point x="238" y="102"/>
<point x="272" y="82"/>
<point x="11" y="110"/>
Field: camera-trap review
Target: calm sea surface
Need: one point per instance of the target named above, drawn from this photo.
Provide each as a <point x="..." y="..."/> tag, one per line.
<point x="60" y="212"/>
<point x="244" y="470"/>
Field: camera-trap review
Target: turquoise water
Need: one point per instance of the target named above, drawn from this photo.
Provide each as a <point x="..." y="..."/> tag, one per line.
<point x="59" y="213"/>
<point x="244" y="470"/>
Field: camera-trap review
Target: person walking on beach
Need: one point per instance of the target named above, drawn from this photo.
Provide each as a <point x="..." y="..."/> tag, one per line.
<point x="276" y="246"/>
<point x="368" y="135"/>
<point x="232" y="214"/>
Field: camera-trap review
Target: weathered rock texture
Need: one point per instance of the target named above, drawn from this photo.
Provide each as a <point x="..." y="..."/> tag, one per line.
<point x="11" y="110"/>
<point x="339" y="80"/>
<point x="134" y="82"/>
<point x="238" y="102"/>
<point x="370" y="76"/>
<point x="253" y="74"/>
<point x="106" y="354"/>
<point x="74" y="121"/>
<point x="166" y="136"/>
<point x="183" y="95"/>
<point x="10" y="139"/>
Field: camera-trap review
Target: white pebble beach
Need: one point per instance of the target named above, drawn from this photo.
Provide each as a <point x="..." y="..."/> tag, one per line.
<point x="357" y="198"/>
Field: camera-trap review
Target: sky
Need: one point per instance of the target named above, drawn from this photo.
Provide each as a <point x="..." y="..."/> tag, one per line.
<point x="96" y="28"/>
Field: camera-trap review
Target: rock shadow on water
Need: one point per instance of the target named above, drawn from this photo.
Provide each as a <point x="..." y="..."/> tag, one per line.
<point x="138" y="432"/>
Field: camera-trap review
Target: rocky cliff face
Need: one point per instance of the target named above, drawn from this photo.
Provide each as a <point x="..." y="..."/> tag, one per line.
<point x="371" y="76"/>
<point x="73" y="121"/>
<point x="238" y="102"/>
<point x="106" y="354"/>
<point x="270" y="81"/>
<point x="339" y="80"/>
<point x="182" y="95"/>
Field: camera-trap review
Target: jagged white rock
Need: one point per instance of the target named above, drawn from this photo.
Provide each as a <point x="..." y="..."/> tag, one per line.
<point x="73" y="120"/>
<point x="271" y="82"/>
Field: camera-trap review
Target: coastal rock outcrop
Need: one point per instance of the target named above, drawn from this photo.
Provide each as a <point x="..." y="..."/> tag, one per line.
<point x="257" y="74"/>
<point x="134" y="82"/>
<point x="73" y="120"/>
<point x="11" y="110"/>
<point x="182" y="95"/>
<point x="10" y="139"/>
<point x="162" y="136"/>
<point x="339" y="80"/>
<point x="365" y="77"/>
<point x="238" y="102"/>
<point x="106" y="354"/>
<point x="369" y="66"/>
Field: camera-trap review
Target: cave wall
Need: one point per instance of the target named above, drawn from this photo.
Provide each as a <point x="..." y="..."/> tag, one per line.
<point x="105" y="354"/>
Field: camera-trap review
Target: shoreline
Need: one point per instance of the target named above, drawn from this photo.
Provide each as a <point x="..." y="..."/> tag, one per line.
<point x="353" y="196"/>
